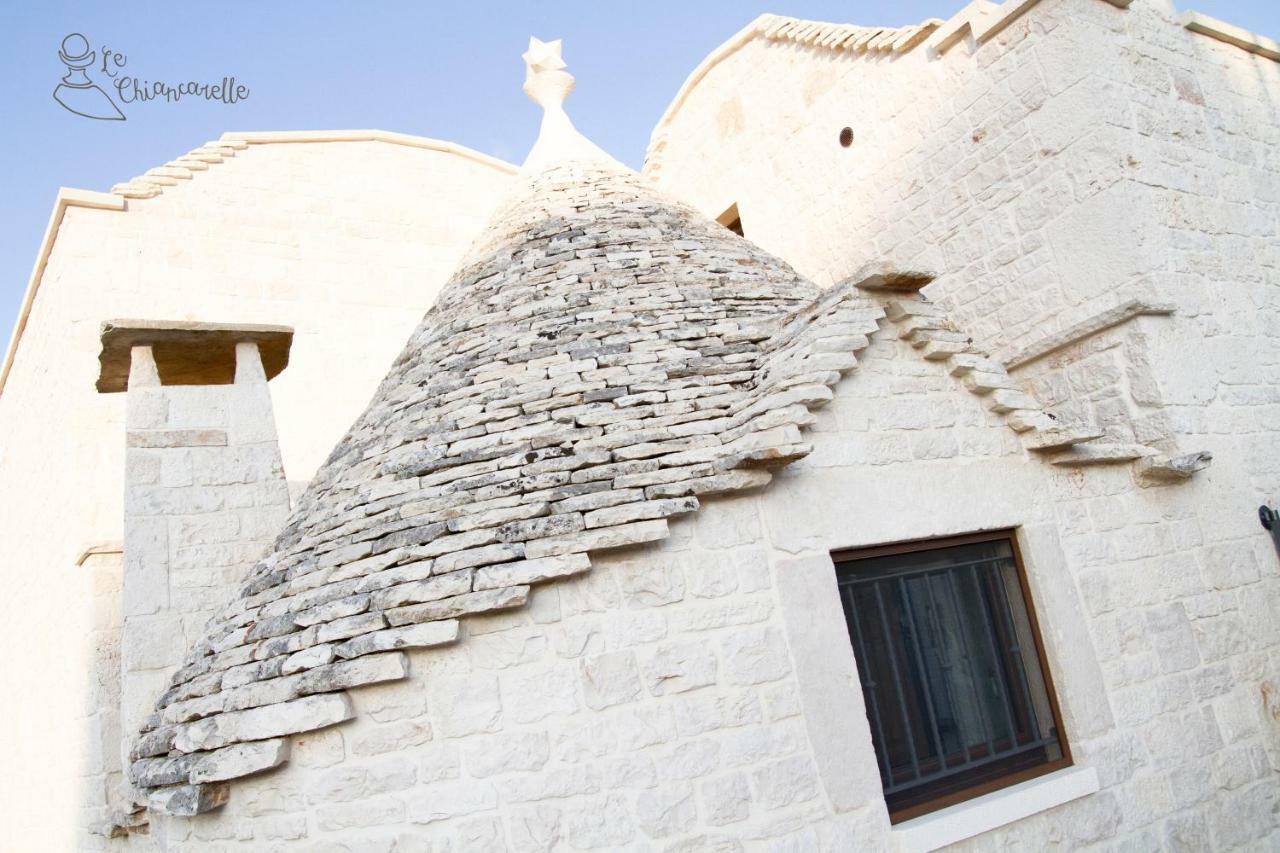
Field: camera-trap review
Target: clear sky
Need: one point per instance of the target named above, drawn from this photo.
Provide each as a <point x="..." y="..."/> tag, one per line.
<point x="449" y="70"/>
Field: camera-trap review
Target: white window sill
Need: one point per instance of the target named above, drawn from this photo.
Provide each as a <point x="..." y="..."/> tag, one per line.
<point x="990" y="811"/>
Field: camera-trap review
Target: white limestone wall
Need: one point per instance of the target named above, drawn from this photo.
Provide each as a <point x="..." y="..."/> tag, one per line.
<point x="701" y="694"/>
<point x="205" y="495"/>
<point x="1084" y="155"/>
<point x="347" y="242"/>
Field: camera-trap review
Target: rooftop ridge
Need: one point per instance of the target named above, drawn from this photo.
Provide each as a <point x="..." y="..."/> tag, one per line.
<point x="980" y="20"/>
<point x="153" y="182"/>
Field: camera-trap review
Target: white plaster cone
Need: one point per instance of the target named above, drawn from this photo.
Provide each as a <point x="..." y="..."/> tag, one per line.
<point x="547" y="84"/>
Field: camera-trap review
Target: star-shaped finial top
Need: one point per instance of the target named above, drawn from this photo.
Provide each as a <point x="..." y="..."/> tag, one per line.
<point x="545" y="80"/>
<point x="543" y="55"/>
<point x="548" y="83"/>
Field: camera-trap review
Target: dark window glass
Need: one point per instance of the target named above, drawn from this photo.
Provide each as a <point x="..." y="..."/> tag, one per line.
<point x="957" y="692"/>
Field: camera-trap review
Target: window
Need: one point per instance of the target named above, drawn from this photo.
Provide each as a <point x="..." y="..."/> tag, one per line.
<point x="956" y="686"/>
<point x="731" y="219"/>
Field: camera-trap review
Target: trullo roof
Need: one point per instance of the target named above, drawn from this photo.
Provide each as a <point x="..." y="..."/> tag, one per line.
<point x="604" y="356"/>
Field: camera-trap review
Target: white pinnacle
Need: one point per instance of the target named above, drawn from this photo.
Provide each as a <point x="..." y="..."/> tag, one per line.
<point x="548" y="84"/>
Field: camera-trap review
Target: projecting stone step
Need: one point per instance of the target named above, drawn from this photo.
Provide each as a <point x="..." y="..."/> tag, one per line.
<point x="1084" y="455"/>
<point x="920" y="337"/>
<point x="902" y="309"/>
<point x="984" y="382"/>
<point x="1010" y="399"/>
<point x="943" y="350"/>
<point x="1176" y="469"/>
<point x="1060" y="437"/>
<point x="966" y="362"/>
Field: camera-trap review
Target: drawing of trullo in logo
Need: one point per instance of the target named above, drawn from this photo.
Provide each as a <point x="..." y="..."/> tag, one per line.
<point x="77" y="92"/>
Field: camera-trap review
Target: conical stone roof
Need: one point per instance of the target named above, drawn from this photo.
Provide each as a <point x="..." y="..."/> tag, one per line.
<point x="603" y="357"/>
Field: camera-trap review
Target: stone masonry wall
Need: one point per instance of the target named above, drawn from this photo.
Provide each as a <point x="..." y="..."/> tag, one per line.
<point x="673" y="698"/>
<point x="205" y="495"/>
<point x="347" y="242"/>
<point x="1046" y="175"/>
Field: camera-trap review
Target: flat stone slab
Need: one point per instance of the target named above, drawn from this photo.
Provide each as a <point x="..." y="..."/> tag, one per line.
<point x="188" y="353"/>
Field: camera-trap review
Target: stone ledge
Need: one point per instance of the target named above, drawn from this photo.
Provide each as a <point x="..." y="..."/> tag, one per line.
<point x="991" y="811"/>
<point x="1086" y="328"/>
<point x="1231" y="34"/>
<point x="188" y="353"/>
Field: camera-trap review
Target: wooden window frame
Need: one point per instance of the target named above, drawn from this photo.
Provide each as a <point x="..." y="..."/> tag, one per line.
<point x="938" y="543"/>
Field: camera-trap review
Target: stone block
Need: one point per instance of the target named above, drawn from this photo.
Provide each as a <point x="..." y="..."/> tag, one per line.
<point x="243" y="759"/>
<point x="189" y="800"/>
<point x="600" y="538"/>
<point x="505" y="753"/>
<point x="755" y="656"/>
<point x="465" y="704"/>
<point x="487" y="601"/>
<point x="372" y="669"/>
<point x="419" y="636"/>
<point x="270" y="721"/>
<point x="415" y="592"/>
<point x="679" y="668"/>
<point x="531" y="571"/>
<point x="177" y="438"/>
<point x="610" y="679"/>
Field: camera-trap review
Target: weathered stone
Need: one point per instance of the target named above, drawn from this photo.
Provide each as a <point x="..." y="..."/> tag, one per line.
<point x="531" y="571"/>
<point x="351" y="626"/>
<point x="349" y="606"/>
<point x="729" y="481"/>
<point x="299" y="715"/>
<point x="154" y="772"/>
<point x="643" y="510"/>
<point x="189" y="800"/>
<point x="442" y="586"/>
<point x="479" y="557"/>
<point x="156" y="742"/>
<point x="242" y="759"/>
<point x="372" y="669"/>
<point x="537" y="528"/>
<point x="417" y="636"/>
<point x="307" y="659"/>
<point x="461" y="605"/>
<point x="599" y="538"/>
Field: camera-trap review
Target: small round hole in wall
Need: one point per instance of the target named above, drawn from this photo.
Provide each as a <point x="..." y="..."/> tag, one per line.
<point x="846" y="137"/>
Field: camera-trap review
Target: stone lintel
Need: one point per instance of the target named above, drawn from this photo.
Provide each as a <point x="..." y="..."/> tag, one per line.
<point x="188" y="353"/>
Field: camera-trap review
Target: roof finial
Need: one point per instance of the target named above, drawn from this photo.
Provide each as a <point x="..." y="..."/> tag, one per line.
<point x="547" y="84"/>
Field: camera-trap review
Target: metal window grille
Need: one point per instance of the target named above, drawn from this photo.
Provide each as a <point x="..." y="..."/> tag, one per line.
<point x="956" y="688"/>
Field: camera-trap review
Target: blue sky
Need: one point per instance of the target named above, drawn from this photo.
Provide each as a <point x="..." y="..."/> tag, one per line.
<point x="447" y="70"/>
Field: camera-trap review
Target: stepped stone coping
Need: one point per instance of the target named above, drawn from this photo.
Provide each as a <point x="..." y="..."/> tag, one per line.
<point x="1086" y="328"/>
<point x="188" y="353"/>
<point x="926" y="327"/>
<point x="67" y="197"/>
<point x="603" y="358"/>
<point x="199" y="159"/>
<point x="265" y="137"/>
<point x="1200" y="23"/>
<point x="981" y="19"/>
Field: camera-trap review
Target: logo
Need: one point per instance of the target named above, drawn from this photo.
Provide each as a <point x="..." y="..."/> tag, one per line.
<point x="77" y="93"/>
